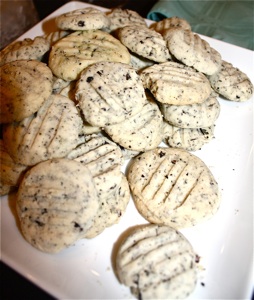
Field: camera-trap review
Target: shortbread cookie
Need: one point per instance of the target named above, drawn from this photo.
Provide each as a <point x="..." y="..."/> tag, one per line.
<point x="144" y="42"/>
<point x="197" y="115"/>
<point x="139" y="63"/>
<point x="192" y="50"/>
<point x="111" y="209"/>
<point x="11" y="173"/>
<point x="87" y="18"/>
<point x="54" y="36"/>
<point x="50" y="133"/>
<point x="157" y="262"/>
<point x="5" y="188"/>
<point x="232" y="83"/>
<point x="25" y="50"/>
<point x="174" y="83"/>
<point x="72" y="54"/>
<point x="166" y="23"/>
<point x="59" y="84"/>
<point x="89" y="129"/>
<point x="122" y="17"/>
<point x="56" y="203"/>
<point x="141" y="132"/>
<point x="190" y="139"/>
<point x="24" y="87"/>
<point x="109" y="93"/>
<point x="104" y="160"/>
<point x="172" y="187"/>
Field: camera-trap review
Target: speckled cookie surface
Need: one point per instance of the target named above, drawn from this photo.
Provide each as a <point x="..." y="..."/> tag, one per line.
<point x="109" y="93"/>
<point x="190" y="139"/>
<point x="50" y="133"/>
<point x="24" y="87"/>
<point x="192" y="50"/>
<point x="173" y="187"/>
<point x="157" y="262"/>
<point x="104" y="160"/>
<point x="111" y="209"/>
<point x="144" y="42"/>
<point x="232" y="83"/>
<point x="174" y="83"/>
<point x="25" y="50"/>
<point x="141" y="132"/>
<point x="11" y="173"/>
<point x="88" y="18"/>
<point x="122" y="17"/>
<point x="56" y="203"/>
<point x="193" y="116"/>
<point x="73" y="53"/>
<point x="166" y="23"/>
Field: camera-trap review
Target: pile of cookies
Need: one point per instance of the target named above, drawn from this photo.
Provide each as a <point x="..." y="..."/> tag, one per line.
<point x="104" y="88"/>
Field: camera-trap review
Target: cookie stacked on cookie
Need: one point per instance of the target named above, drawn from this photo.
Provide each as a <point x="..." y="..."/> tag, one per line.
<point x="80" y="101"/>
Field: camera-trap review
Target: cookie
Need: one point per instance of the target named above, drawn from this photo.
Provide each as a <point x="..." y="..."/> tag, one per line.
<point x="172" y="187"/>
<point x="24" y="87"/>
<point x="232" y="83"/>
<point x="111" y="209"/>
<point x="192" y="50"/>
<point x="157" y="262"/>
<point x="52" y="132"/>
<point x="54" y="36"/>
<point x="166" y="23"/>
<point x="144" y="42"/>
<point x="141" y="132"/>
<point x="190" y="139"/>
<point x="199" y="115"/>
<point x="87" y="18"/>
<point x="56" y="203"/>
<point x="175" y="83"/>
<point x="72" y="54"/>
<point x="139" y="63"/>
<point x="122" y="17"/>
<point x="11" y="173"/>
<point x="5" y="188"/>
<point x="109" y="93"/>
<point x="26" y="49"/>
<point x="104" y="160"/>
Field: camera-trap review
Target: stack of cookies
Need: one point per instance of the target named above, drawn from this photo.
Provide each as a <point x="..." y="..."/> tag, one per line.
<point x="78" y="102"/>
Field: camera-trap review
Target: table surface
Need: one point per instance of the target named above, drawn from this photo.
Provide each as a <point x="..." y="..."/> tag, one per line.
<point x="13" y="285"/>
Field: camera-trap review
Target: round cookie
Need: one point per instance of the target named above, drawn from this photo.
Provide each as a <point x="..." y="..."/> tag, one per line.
<point x="26" y="49"/>
<point x="56" y="203"/>
<point x="174" y="83"/>
<point x="111" y="209"/>
<point x="122" y="17"/>
<point x="232" y="83"/>
<point x="166" y="23"/>
<point x="52" y="132"/>
<point x="197" y="115"/>
<point x="141" y="132"/>
<point x="157" y="262"/>
<point x="87" y="18"/>
<point x="190" y="139"/>
<point x="11" y="173"/>
<point x="192" y="50"/>
<point x="109" y="93"/>
<point x="54" y="36"/>
<point x="24" y="87"/>
<point x="144" y="42"/>
<point x="104" y="160"/>
<point x="172" y="187"/>
<point x="72" y="54"/>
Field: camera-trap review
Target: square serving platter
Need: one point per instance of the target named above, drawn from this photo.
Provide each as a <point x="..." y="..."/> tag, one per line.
<point x="224" y="243"/>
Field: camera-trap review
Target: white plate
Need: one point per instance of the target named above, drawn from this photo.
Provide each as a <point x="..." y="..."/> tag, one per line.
<point x="86" y="270"/>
